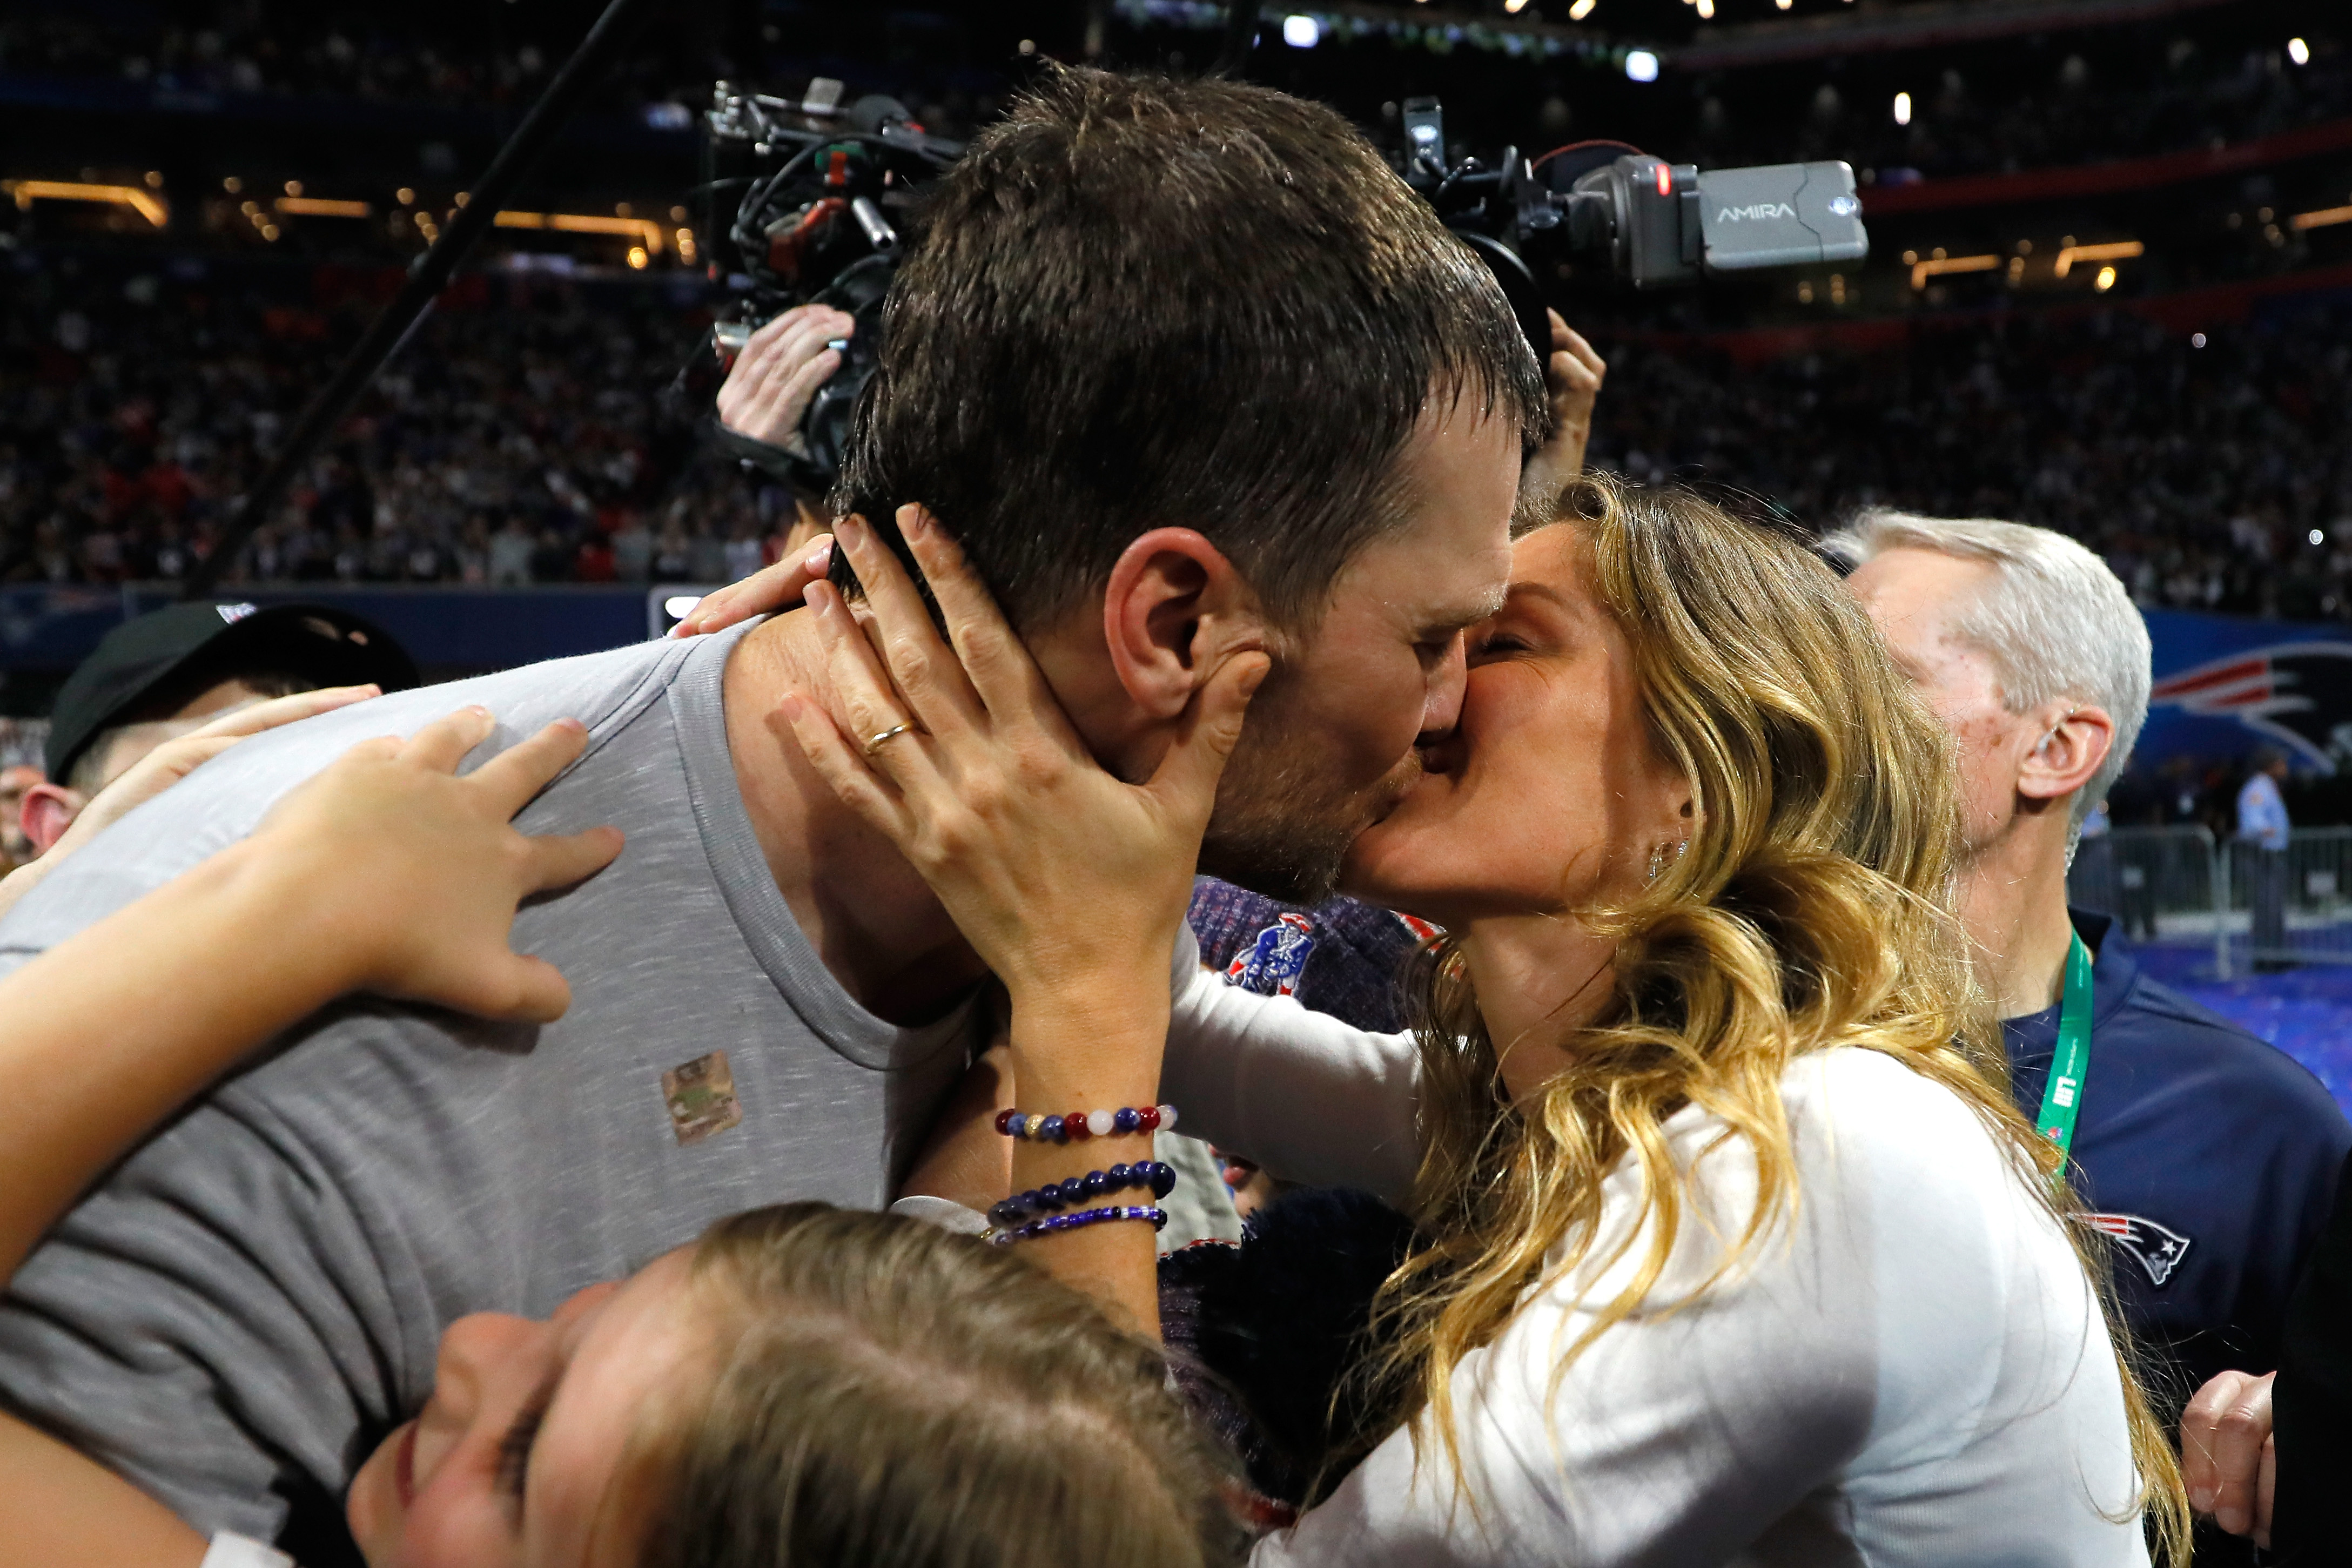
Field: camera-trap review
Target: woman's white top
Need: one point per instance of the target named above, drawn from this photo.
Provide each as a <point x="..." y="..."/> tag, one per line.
<point x="1909" y="1369"/>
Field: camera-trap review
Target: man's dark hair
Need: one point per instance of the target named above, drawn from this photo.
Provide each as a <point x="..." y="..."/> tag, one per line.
<point x="1141" y="302"/>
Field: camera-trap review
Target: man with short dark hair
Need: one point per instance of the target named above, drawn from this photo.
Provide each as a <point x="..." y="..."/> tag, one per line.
<point x="1336" y="277"/>
<point x="1223" y="387"/>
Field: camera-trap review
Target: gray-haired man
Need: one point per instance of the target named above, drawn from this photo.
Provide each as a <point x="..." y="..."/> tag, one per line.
<point x="2209" y="1158"/>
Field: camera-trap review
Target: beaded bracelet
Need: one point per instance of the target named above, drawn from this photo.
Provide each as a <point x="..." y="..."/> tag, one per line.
<point x="1083" y="1124"/>
<point x="1023" y="1207"/>
<point x="1085" y="1216"/>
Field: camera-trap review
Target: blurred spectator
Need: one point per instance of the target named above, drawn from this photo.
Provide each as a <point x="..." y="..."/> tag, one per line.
<point x="2262" y="826"/>
<point x="166" y="674"/>
<point x="15" y="849"/>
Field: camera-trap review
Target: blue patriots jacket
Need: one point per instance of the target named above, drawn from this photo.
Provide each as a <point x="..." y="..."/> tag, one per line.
<point x="2209" y="1158"/>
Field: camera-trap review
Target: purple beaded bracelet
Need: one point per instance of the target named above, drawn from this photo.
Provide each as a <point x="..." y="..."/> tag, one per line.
<point x="1024" y="1207"/>
<point x="1085" y="1216"/>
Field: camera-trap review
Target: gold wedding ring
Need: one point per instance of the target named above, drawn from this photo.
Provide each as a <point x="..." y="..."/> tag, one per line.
<point x="875" y="743"/>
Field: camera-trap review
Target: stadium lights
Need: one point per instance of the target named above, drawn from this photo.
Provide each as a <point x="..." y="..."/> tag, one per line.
<point x="1514" y="6"/>
<point x="1902" y="108"/>
<point x="2324" y="218"/>
<point x="1640" y="65"/>
<point x="1580" y="10"/>
<point x="2316" y="536"/>
<point x="648" y="233"/>
<point x="2121" y="250"/>
<point x="2105" y="281"/>
<point x="321" y="207"/>
<point x="1937" y="266"/>
<point x="146" y="204"/>
<point x="1301" y="32"/>
<point x="1706" y="10"/>
<point x="2298" y="51"/>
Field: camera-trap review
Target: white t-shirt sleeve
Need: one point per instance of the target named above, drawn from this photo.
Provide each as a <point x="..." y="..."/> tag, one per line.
<point x="1305" y="1096"/>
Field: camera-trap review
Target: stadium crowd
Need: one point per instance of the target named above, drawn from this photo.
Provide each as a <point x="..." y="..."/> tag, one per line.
<point x="526" y="436"/>
<point x="523" y="436"/>
<point x="2049" y="106"/>
<point x="2213" y="476"/>
<point x="2062" y="101"/>
<point x="242" y="47"/>
<point x="475" y="61"/>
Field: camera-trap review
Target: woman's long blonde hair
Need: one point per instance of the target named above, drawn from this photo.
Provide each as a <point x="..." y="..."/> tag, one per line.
<point x="1811" y="909"/>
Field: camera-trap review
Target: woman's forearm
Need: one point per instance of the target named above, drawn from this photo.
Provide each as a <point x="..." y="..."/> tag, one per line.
<point x="112" y="1031"/>
<point x="1083" y="1047"/>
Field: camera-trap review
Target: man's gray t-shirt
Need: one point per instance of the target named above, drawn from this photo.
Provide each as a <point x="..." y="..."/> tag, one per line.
<point x="243" y="1307"/>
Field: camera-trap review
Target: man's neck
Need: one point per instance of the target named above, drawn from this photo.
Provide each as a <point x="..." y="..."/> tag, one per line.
<point x="2013" y="904"/>
<point x="868" y="912"/>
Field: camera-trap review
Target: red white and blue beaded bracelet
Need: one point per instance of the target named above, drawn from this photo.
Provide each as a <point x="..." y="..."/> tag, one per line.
<point x="1079" y="1126"/>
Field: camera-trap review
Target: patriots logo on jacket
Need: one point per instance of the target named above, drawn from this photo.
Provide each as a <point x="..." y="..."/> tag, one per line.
<point x="2158" y="1251"/>
<point x="2298" y="694"/>
<point x="1271" y="965"/>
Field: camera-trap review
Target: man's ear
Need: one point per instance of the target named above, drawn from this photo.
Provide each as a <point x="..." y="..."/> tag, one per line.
<point x="2073" y="745"/>
<point x="1173" y="610"/>
<point x="47" y="811"/>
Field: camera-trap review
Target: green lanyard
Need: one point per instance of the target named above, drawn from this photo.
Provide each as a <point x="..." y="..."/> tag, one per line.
<point x="2063" y="1098"/>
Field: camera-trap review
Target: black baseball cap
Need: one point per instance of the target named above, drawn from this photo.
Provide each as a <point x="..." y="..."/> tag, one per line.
<point x="143" y="659"/>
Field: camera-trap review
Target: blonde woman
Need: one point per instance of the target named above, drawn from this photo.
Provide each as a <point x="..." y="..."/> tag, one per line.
<point x="1734" y="1250"/>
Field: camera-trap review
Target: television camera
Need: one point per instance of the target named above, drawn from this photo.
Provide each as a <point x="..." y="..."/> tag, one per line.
<point x="826" y="188"/>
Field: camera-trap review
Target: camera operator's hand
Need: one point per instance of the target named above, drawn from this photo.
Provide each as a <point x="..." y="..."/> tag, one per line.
<point x="775" y="378"/>
<point x="1572" y="377"/>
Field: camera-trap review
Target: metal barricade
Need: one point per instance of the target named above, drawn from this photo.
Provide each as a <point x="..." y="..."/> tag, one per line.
<point x="2292" y="905"/>
<point x="2159" y="885"/>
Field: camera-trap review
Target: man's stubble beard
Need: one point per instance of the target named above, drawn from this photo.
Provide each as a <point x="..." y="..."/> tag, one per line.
<point x="1282" y="828"/>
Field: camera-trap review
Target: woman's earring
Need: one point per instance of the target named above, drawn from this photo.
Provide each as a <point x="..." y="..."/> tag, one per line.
<point x="1658" y="857"/>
